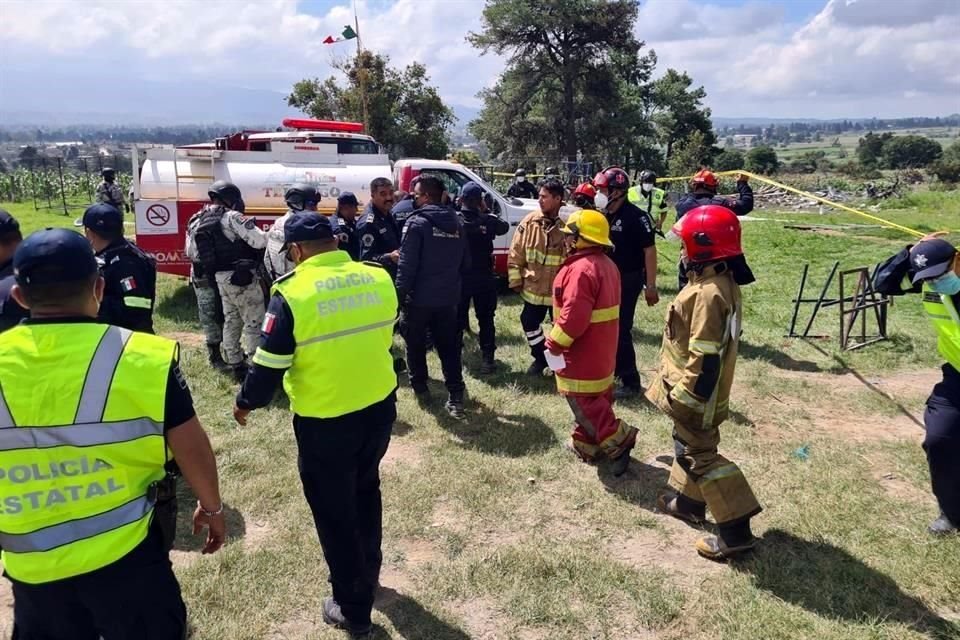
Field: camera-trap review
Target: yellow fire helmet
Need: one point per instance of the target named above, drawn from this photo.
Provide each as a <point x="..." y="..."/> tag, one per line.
<point x="589" y="227"/>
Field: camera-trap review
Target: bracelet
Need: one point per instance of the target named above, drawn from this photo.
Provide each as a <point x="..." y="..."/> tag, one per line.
<point x="210" y="514"/>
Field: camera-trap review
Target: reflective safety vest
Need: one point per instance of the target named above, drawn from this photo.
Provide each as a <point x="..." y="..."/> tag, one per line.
<point x="81" y="445"/>
<point x="943" y="314"/>
<point x="639" y="198"/>
<point x="343" y="317"/>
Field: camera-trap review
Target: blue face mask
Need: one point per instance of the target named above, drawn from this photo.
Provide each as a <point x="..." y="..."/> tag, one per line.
<point x="947" y="284"/>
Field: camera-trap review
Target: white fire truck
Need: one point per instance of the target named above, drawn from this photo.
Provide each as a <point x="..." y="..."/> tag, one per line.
<point x="333" y="156"/>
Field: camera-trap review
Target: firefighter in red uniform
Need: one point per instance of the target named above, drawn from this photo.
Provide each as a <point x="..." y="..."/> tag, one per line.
<point x="586" y="302"/>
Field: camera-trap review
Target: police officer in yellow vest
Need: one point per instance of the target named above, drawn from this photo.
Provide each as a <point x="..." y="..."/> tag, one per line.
<point x="327" y="335"/>
<point x="933" y="267"/>
<point x="651" y="199"/>
<point x="89" y="415"/>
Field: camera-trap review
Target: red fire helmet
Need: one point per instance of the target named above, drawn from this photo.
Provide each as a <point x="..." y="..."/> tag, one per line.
<point x="585" y="189"/>
<point x="706" y="178"/>
<point x="710" y="232"/>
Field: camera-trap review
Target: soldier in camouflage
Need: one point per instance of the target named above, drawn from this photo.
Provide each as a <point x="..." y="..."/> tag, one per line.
<point x="209" y="306"/>
<point x="230" y="245"/>
<point x="109" y="192"/>
<point x="299" y="197"/>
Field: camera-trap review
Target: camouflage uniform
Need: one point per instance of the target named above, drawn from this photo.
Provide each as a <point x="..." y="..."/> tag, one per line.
<point x="110" y="193"/>
<point x="209" y="308"/>
<point x="242" y="305"/>
<point x="275" y="261"/>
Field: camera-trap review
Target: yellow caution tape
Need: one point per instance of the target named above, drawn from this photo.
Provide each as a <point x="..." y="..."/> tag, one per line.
<point x="805" y="194"/>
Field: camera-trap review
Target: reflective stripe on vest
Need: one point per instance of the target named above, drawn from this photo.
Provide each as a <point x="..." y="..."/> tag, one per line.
<point x="76" y="475"/>
<point x="343" y="317"/>
<point x="946" y="320"/>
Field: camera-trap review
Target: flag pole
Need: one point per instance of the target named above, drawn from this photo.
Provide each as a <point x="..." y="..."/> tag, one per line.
<point x="361" y="71"/>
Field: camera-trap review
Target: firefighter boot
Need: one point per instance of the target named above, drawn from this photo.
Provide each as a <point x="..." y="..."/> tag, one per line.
<point x="732" y="541"/>
<point x="620" y="464"/>
<point x="682" y="508"/>
<point x="215" y="357"/>
<point x="942" y="526"/>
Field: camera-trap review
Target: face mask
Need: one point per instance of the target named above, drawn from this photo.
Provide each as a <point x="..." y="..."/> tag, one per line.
<point x="948" y="284"/>
<point x="601" y="201"/>
<point x="521" y="179"/>
<point x="647" y="188"/>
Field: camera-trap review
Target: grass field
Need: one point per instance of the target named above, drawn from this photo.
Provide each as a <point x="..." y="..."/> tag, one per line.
<point x="493" y="531"/>
<point x="945" y="136"/>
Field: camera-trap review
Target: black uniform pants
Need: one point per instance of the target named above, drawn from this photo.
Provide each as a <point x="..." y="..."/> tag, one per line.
<point x="340" y="472"/>
<point x="942" y="443"/>
<point x="631" y="286"/>
<point x="484" y="298"/>
<point x="443" y="326"/>
<point x="136" y="598"/>
<point x="531" y="319"/>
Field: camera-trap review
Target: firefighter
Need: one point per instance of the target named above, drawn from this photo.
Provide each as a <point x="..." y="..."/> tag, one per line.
<point x="536" y="252"/>
<point x="583" y="196"/>
<point x="84" y="553"/>
<point x="932" y="267"/>
<point x="343" y="406"/>
<point x="130" y="275"/>
<point x="109" y="192"/>
<point x="703" y="191"/>
<point x="11" y="313"/>
<point x="209" y="304"/>
<point x="521" y="187"/>
<point x="299" y="197"/>
<point x="347" y="223"/>
<point x="229" y="244"/>
<point x="586" y="296"/>
<point x="635" y="254"/>
<point x="379" y="233"/>
<point x="650" y="198"/>
<point x="479" y="281"/>
<point x="692" y="386"/>
<point x="433" y="258"/>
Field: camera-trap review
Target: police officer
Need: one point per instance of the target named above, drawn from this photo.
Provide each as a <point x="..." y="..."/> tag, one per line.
<point x="404" y="206"/>
<point x="129" y="273"/>
<point x="636" y="256"/>
<point x="299" y="197"/>
<point x="932" y="266"/>
<point x="521" y="187"/>
<point x="82" y="454"/>
<point x="347" y="223"/>
<point x="479" y="281"/>
<point x="650" y="198"/>
<point x="343" y="407"/>
<point x="378" y="231"/>
<point x="228" y="244"/>
<point x="209" y="305"/>
<point x="703" y="191"/>
<point x="433" y="257"/>
<point x="11" y="313"/>
<point x="109" y="192"/>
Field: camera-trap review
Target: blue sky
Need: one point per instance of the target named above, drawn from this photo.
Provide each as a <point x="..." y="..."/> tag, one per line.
<point x="774" y="58"/>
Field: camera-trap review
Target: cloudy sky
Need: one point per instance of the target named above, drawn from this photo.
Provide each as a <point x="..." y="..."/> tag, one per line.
<point x="776" y="58"/>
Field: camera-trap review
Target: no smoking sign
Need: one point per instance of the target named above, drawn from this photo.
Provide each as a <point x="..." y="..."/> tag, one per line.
<point x="158" y="215"/>
<point x="156" y="218"/>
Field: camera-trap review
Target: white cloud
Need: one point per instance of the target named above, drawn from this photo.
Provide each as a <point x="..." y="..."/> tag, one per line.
<point x="855" y="57"/>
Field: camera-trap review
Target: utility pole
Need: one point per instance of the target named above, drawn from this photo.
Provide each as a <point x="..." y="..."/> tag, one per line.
<point x="361" y="70"/>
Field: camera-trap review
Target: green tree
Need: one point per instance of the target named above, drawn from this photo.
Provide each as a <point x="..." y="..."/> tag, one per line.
<point x="677" y="110"/>
<point x="729" y="160"/>
<point x="947" y="168"/>
<point x="691" y="154"/>
<point x="467" y="157"/>
<point x="28" y="156"/>
<point x="762" y="160"/>
<point x="910" y="152"/>
<point x="404" y="112"/>
<point x="560" y="52"/>
<point x="809" y="162"/>
<point x="870" y="149"/>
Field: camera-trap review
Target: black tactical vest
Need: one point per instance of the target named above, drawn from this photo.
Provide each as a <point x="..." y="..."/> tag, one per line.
<point x="214" y="251"/>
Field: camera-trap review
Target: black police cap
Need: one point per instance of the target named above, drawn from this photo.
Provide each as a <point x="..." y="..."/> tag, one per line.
<point x="102" y="217"/>
<point x="8" y="224"/>
<point x="53" y="255"/>
<point x="309" y="225"/>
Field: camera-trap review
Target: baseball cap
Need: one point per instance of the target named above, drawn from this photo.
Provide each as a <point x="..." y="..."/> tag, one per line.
<point x="347" y="197"/>
<point x="8" y="224"/>
<point x="931" y="258"/>
<point x="307" y="226"/>
<point x="101" y="217"/>
<point x="471" y="191"/>
<point x="53" y="255"/>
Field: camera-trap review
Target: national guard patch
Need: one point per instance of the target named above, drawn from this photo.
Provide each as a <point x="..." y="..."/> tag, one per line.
<point x="128" y="284"/>
<point x="368" y="240"/>
<point x="250" y="223"/>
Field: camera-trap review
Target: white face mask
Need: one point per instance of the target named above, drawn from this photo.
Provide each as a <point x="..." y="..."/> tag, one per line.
<point x="601" y="201"/>
<point x="521" y="179"/>
<point x="647" y="188"/>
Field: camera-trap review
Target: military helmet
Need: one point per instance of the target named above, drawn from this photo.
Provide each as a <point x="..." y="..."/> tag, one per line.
<point x="301" y="195"/>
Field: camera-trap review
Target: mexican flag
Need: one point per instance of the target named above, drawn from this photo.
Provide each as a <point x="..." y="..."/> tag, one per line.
<point x="347" y="34"/>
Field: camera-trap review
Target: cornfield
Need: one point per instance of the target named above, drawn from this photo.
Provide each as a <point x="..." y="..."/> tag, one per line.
<point x="23" y="184"/>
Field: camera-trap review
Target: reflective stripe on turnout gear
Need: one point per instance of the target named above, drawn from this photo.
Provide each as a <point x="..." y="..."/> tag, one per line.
<point x="604" y="315"/>
<point x="571" y="385"/>
<point x="272" y="360"/>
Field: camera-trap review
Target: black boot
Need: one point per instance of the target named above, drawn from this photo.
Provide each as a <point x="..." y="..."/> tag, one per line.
<point x="454" y="406"/>
<point x="537" y="368"/>
<point x="334" y="617"/>
<point x="488" y="365"/>
<point x="942" y="526"/>
<point x="215" y="357"/>
<point x="240" y="372"/>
